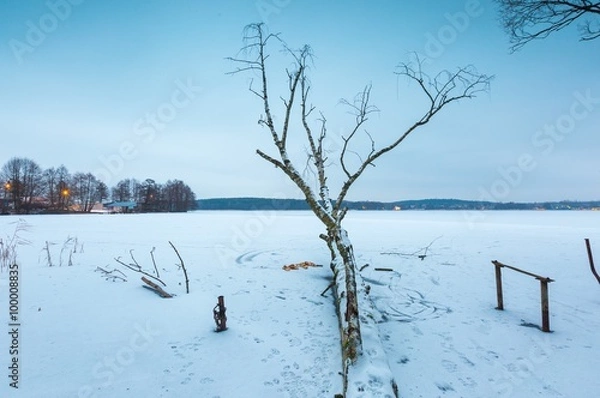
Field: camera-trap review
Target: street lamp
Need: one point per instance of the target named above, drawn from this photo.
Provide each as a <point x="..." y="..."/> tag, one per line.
<point x="7" y="188"/>
<point x="65" y="197"/>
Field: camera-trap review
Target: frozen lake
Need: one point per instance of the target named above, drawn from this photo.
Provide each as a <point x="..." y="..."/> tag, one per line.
<point x="83" y="335"/>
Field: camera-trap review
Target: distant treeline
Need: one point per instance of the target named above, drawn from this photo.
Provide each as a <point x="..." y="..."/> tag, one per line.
<point x="27" y="188"/>
<point x="423" y="204"/>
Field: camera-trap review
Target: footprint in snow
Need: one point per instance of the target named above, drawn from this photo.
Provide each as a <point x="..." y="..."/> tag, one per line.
<point x="449" y="366"/>
<point x="468" y="382"/>
<point x="444" y="387"/>
<point x="467" y="360"/>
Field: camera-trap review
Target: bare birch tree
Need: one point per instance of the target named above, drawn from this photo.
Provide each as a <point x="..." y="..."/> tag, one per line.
<point x="527" y="20"/>
<point x="439" y="91"/>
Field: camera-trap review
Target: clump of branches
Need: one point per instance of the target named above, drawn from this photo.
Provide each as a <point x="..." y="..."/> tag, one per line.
<point x="135" y="266"/>
<point x="8" y="245"/>
<point x="113" y="275"/>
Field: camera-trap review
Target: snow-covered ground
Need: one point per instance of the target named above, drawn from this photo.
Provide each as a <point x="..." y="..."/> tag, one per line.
<point x="81" y="335"/>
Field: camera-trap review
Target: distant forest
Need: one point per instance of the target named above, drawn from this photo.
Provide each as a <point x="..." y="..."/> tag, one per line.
<point x="27" y="188"/>
<point x="424" y="204"/>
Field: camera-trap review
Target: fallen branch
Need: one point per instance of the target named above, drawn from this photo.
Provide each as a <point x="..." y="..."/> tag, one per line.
<point x="422" y="250"/>
<point x="187" y="281"/>
<point x="155" y="288"/>
<point x="303" y="265"/>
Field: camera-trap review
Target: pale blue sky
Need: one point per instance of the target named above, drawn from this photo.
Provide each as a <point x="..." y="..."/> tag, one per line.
<point x="83" y="94"/>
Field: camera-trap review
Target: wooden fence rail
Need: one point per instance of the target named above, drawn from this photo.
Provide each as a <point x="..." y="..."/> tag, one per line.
<point x="543" y="288"/>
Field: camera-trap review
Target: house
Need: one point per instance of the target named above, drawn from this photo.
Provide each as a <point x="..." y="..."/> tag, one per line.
<point x="121" y="207"/>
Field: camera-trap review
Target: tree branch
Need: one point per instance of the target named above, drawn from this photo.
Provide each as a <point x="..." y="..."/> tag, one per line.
<point x="257" y="40"/>
<point x="527" y="20"/>
<point x="447" y="87"/>
<point x="360" y="108"/>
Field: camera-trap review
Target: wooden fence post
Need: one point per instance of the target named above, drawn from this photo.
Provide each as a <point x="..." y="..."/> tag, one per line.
<point x="543" y="287"/>
<point x="499" y="285"/>
<point x="545" y="306"/>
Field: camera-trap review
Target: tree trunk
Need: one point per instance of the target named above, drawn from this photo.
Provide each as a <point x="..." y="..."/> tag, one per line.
<point x="346" y="266"/>
<point x="365" y="368"/>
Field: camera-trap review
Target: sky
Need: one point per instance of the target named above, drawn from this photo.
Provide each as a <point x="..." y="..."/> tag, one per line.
<point x="141" y="90"/>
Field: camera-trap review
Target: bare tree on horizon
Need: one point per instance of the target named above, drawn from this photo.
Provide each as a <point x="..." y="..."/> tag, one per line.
<point x="22" y="183"/>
